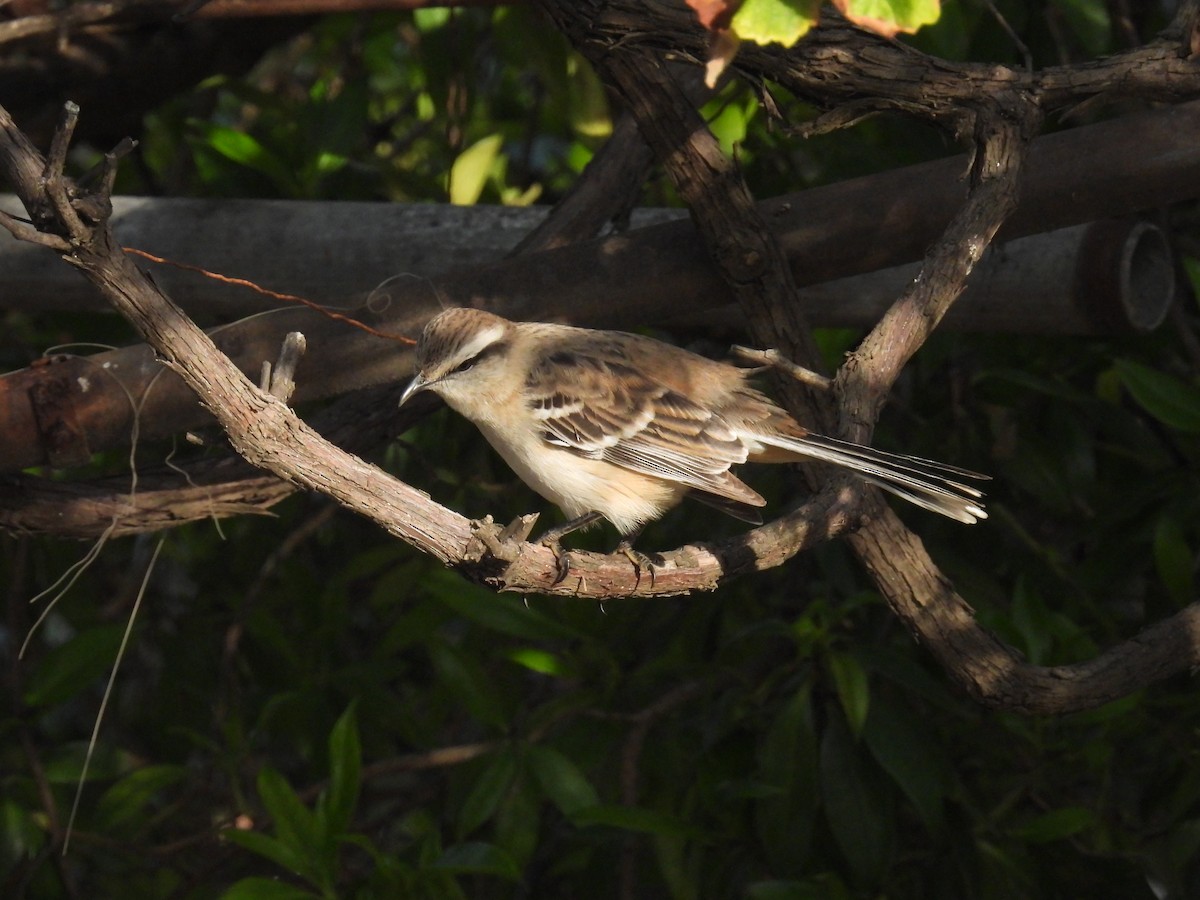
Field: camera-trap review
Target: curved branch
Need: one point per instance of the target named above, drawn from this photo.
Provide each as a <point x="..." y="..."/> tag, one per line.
<point x="837" y="63"/>
<point x="261" y="427"/>
<point x="1002" y="136"/>
<point x="269" y="435"/>
<point x="1002" y="123"/>
<point x="991" y="671"/>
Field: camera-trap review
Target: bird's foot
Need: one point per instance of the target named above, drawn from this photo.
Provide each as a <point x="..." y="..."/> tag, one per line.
<point x="562" y="556"/>
<point x="641" y="562"/>
<point x="553" y="540"/>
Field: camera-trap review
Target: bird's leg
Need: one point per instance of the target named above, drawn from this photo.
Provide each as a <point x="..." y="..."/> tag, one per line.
<point x="553" y="537"/>
<point x="640" y="560"/>
<point x="553" y="540"/>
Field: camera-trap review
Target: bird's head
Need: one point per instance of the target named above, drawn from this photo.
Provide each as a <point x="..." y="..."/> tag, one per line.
<point x="459" y="350"/>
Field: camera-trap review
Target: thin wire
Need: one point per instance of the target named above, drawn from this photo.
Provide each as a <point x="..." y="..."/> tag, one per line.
<point x="276" y="295"/>
<point x="108" y="688"/>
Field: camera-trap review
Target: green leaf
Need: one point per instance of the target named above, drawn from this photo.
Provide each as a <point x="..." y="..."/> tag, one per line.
<point x="587" y="100"/>
<point x="71" y="667"/>
<point x="431" y="18"/>
<point x="561" y="780"/>
<point x="502" y="613"/>
<point x="540" y="661"/>
<point x="1091" y="22"/>
<point x="295" y="824"/>
<point x="246" y="150"/>
<point x="775" y="21"/>
<point x="20" y="836"/>
<point x="471" y="170"/>
<point x="518" y="821"/>
<point x="1056" y="825"/>
<point x="636" y="818"/>
<point x="266" y="889"/>
<point x="284" y="855"/>
<point x="1170" y="400"/>
<point x="903" y="746"/>
<point x="331" y="162"/>
<point x="1191" y="267"/>
<point x="477" y="858"/>
<point x="1031" y="619"/>
<point x="1054" y="387"/>
<point x="466" y="680"/>
<point x="787" y="759"/>
<point x="853" y="689"/>
<point x="126" y="801"/>
<point x="729" y="123"/>
<point x="345" y="769"/>
<point x="489" y="790"/>
<point x="66" y="764"/>
<point x="1174" y="560"/>
<point x="856" y="811"/>
<point x="890" y="16"/>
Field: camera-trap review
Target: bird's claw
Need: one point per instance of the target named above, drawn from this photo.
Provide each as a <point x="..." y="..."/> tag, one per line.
<point x="641" y="562"/>
<point x="562" y="557"/>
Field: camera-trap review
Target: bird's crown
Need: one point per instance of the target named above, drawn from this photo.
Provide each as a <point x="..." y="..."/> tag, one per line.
<point x="456" y="338"/>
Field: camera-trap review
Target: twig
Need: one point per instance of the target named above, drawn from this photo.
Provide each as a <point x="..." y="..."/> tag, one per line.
<point x="58" y="187"/>
<point x="281" y="382"/>
<point x="25" y="231"/>
<point x="1012" y="34"/>
<point x="776" y="360"/>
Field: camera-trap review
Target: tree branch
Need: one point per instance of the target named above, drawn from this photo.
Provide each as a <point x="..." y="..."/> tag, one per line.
<point x="262" y="428"/>
<point x="268" y="434"/>
<point x="1002" y="121"/>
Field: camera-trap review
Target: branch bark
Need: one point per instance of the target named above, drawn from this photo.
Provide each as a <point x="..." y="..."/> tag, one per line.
<point x="1001" y="122"/>
<point x="1143" y="160"/>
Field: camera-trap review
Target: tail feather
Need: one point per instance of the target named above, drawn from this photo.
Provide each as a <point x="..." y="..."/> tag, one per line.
<point x="931" y="485"/>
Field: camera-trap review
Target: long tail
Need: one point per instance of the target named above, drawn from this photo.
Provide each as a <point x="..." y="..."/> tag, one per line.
<point x="931" y="485"/>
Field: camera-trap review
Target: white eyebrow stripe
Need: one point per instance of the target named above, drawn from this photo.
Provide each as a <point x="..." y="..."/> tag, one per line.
<point x="480" y="340"/>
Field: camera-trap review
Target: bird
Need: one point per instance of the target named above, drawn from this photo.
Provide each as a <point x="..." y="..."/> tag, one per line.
<point x="621" y="426"/>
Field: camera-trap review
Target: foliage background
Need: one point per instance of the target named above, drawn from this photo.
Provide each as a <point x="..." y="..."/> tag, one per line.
<point x="376" y="727"/>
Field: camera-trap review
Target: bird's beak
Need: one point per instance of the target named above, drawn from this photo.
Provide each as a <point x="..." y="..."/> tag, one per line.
<point x="418" y="384"/>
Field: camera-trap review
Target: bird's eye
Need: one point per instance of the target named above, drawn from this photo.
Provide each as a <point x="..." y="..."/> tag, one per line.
<point x="470" y="362"/>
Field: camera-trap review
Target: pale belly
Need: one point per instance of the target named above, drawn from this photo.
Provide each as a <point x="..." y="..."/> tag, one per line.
<point x="578" y="485"/>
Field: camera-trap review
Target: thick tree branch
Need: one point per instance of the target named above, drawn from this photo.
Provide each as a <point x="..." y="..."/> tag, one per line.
<point x="837" y="64"/>
<point x="1002" y="136"/>
<point x="254" y="419"/>
<point x="990" y="670"/>
<point x="1002" y="122"/>
<point x="606" y="190"/>
<point x="1143" y="160"/>
<point x="261" y="427"/>
<point x="268" y="434"/>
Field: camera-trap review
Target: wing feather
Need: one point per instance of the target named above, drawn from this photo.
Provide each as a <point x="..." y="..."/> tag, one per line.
<point x="598" y="406"/>
<point x="593" y="398"/>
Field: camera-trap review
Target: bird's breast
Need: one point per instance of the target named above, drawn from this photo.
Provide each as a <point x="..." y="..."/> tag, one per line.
<point x="577" y="484"/>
